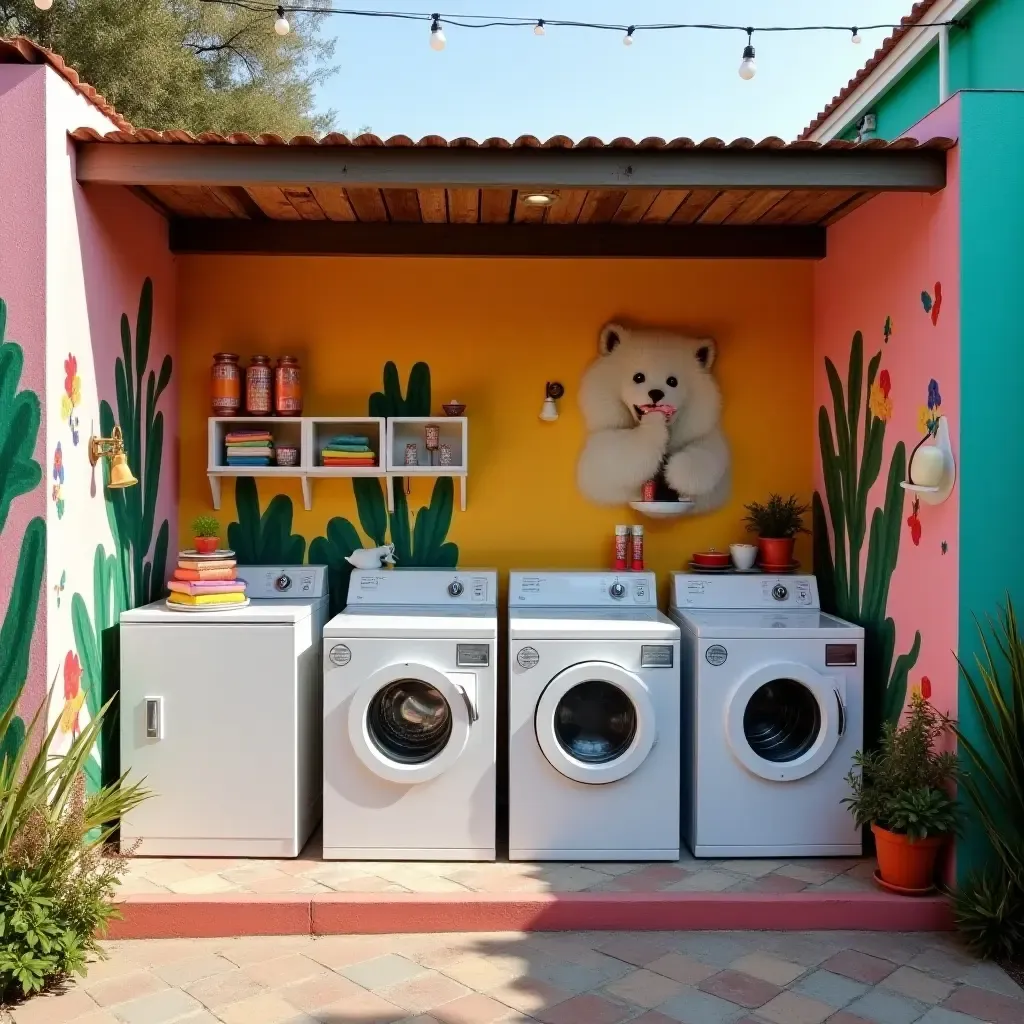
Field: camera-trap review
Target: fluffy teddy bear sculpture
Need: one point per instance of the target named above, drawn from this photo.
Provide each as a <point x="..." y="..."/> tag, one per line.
<point x="652" y="411"/>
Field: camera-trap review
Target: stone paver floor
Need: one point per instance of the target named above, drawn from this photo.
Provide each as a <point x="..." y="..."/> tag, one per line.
<point x="309" y="874"/>
<point x="551" y="978"/>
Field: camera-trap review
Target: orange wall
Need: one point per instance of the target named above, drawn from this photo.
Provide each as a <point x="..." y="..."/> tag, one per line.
<point x="493" y="331"/>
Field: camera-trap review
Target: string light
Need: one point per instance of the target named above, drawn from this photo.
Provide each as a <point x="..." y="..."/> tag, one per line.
<point x="437" y="39"/>
<point x="748" y="66"/>
<point x="627" y="39"/>
<point x="538" y="29"/>
<point x="43" y="5"/>
<point x="281" y="26"/>
<point x="855" y="38"/>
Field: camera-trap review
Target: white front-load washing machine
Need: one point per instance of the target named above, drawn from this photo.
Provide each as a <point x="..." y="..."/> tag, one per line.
<point x="410" y="717"/>
<point x="593" y="718"/>
<point x="773" y="712"/>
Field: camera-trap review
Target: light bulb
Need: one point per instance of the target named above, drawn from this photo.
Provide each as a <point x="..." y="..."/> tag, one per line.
<point x="43" y="5"/>
<point x="855" y="38"/>
<point x="549" y="411"/>
<point x="538" y="29"/>
<point x="281" y="26"/>
<point x="748" y="66"/>
<point x="627" y="39"/>
<point x="437" y="39"/>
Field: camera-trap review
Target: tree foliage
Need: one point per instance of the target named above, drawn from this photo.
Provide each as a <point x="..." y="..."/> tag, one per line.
<point x="188" y="64"/>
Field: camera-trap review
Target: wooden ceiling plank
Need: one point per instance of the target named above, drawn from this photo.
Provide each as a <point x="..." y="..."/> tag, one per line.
<point x="190" y="202"/>
<point x="664" y="206"/>
<point x="849" y="206"/>
<point x="527" y="213"/>
<point x="690" y="209"/>
<point x="464" y="205"/>
<point x="303" y="201"/>
<point x="724" y="204"/>
<point x="601" y="206"/>
<point x="635" y="204"/>
<point x="368" y="204"/>
<point x="274" y="203"/>
<point x="566" y="209"/>
<point x="821" y="207"/>
<point x="496" y="205"/>
<point x="150" y="200"/>
<point x="403" y="205"/>
<point x="229" y="198"/>
<point x="433" y="205"/>
<point x="784" y="210"/>
<point x="755" y="206"/>
<point x="333" y="201"/>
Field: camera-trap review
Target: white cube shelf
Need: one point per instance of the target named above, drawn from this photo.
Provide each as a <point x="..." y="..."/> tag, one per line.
<point x="285" y="430"/>
<point x="321" y="429"/>
<point x="452" y="431"/>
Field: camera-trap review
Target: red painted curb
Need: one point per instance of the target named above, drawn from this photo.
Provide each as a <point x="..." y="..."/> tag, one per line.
<point x="151" y="917"/>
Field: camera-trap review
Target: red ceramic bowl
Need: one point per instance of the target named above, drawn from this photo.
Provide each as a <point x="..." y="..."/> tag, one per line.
<point x="711" y="559"/>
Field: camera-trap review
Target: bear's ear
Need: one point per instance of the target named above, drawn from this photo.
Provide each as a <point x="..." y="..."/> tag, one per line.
<point x="611" y="337"/>
<point x="706" y="352"/>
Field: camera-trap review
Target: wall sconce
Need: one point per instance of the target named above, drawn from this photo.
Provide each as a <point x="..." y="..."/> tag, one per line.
<point x="549" y="411"/>
<point x="112" y="448"/>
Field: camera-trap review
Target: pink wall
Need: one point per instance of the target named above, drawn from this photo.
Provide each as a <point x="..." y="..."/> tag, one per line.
<point x="893" y="258"/>
<point x="22" y="287"/>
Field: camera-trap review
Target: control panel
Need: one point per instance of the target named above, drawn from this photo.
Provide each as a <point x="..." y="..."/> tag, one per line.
<point x="582" y="589"/>
<point x="442" y="587"/>
<point x="290" y="582"/>
<point x="756" y="590"/>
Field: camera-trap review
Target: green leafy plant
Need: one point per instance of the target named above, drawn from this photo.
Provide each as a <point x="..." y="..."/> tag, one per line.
<point x="990" y="905"/>
<point x="778" y="518"/>
<point x="850" y="471"/>
<point x="131" y="512"/>
<point x="904" y="785"/>
<point x="265" y="539"/>
<point x="205" y="526"/>
<point x="57" y="874"/>
<point x="19" y="474"/>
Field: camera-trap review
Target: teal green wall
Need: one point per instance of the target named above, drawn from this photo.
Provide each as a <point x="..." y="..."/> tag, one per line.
<point x="983" y="55"/>
<point x="991" y="458"/>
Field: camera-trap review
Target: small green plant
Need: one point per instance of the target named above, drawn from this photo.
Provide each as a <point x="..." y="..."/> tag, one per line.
<point x="989" y="906"/>
<point x="205" y="526"/>
<point x="903" y="786"/>
<point x="57" y="874"/>
<point x="778" y="518"/>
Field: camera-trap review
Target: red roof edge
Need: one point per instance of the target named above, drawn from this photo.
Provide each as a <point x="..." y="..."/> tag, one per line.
<point x="918" y="11"/>
<point x="19" y="50"/>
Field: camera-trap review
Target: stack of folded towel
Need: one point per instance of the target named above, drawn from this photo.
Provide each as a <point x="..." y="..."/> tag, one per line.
<point x="199" y="582"/>
<point x="347" y="450"/>
<point x="249" y="448"/>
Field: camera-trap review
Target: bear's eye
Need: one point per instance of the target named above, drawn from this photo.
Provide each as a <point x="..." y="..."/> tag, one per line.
<point x="638" y="378"/>
<point x="672" y="382"/>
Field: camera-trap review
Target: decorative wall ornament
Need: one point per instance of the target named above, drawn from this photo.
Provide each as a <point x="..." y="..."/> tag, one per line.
<point x="57" y="491"/>
<point x="933" y="306"/>
<point x="652" y="411"/>
<point x="72" y="397"/>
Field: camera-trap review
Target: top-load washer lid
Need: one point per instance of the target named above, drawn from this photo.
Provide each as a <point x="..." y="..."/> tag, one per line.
<point x="747" y="624"/>
<point x="590" y="623"/>
<point x="476" y="622"/>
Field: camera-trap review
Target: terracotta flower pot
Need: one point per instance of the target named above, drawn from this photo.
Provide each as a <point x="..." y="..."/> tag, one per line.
<point x="206" y="545"/>
<point x="904" y="862"/>
<point x="775" y="551"/>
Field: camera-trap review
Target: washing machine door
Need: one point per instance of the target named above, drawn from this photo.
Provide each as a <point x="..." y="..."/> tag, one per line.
<point x="410" y="722"/>
<point x="784" y="720"/>
<point x="595" y="722"/>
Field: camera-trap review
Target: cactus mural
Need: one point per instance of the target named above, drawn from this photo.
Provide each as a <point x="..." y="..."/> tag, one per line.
<point x="132" y="512"/>
<point x="19" y="474"/>
<point x="266" y="539"/>
<point x="850" y="468"/>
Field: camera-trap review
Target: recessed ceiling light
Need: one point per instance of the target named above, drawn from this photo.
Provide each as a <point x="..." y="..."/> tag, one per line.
<point x="539" y="198"/>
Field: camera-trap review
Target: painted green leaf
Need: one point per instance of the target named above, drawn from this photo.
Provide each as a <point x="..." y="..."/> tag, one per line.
<point x="373" y="512"/>
<point x="417" y="398"/>
<point x="398" y="522"/>
<point x="896" y="691"/>
<point x="20" y="616"/>
<point x="432" y="523"/>
<point x="88" y="652"/>
<point x="19" y="425"/>
<point x="244" y="535"/>
<point x="824" y="568"/>
<point x="332" y="550"/>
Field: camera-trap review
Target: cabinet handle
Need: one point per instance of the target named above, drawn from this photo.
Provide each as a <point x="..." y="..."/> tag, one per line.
<point x="154" y="718"/>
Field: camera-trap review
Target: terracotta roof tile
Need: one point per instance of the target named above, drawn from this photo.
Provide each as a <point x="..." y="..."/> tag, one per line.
<point x="917" y="12"/>
<point x="19" y="50"/>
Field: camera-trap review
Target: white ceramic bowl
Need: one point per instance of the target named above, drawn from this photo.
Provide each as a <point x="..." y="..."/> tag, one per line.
<point x="743" y="555"/>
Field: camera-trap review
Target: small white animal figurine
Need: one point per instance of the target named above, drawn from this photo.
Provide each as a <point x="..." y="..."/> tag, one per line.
<point x="372" y="558"/>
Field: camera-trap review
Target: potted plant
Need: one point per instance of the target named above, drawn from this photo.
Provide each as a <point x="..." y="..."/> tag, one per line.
<point x="776" y="524"/>
<point x="205" y="534"/>
<point x="902" y="790"/>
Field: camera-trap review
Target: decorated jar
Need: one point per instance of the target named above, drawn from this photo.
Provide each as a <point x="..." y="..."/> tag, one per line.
<point x="258" y="386"/>
<point x="225" y="385"/>
<point x="288" y="387"/>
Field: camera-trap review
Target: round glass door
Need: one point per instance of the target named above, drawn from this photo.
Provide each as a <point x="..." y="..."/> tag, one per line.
<point x="783" y="721"/>
<point x="409" y="723"/>
<point x="595" y="723"/>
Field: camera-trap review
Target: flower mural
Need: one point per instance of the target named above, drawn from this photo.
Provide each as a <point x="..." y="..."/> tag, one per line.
<point x="74" y="695"/>
<point x="878" y="399"/>
<point x="922" y="688"/>
<point x="58" y="588"/>
<point x="928" y="415"/>
<point x="914" y="522"/>
<point x="58" y="480"/>
<point x="72" y="397"/>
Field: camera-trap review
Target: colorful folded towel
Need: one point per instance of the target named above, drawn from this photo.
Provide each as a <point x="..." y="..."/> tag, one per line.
<point x="235" y="460"/>
<point x="349" y="463"/>
<point x="330" y="453"/>
<point x="243" y="436"/>
<point x="249" y="453"/>
<point x="205" y="599"/>
<point x="264" y="443"/>
<point x="206" y="563"/>
<point x="346" y="448"/>
<point x="346" y="439"/>
<point x="205" y="574"/>
<point x="197" y="587"/>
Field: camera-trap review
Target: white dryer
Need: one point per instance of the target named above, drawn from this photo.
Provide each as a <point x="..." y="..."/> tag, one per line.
<point x="220" y="715"/>
<point x="773" y="711"/>
<point x="409" y="717"/>
<point x="593" y="718"/>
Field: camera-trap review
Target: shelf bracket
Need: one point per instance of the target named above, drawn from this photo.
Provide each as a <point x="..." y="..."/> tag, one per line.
<point x="307" y="493"/>
<point x="214" y="490"/>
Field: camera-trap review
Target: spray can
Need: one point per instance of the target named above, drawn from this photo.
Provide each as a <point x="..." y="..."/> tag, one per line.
<point x="621" y="545"/>
<point x="638" y="547"/>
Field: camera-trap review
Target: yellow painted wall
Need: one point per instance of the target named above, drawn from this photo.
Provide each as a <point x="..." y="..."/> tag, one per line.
<point x="493" y="332"/>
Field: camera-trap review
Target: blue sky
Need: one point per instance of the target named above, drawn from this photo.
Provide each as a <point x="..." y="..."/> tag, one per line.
<point x="581" y="82"/>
